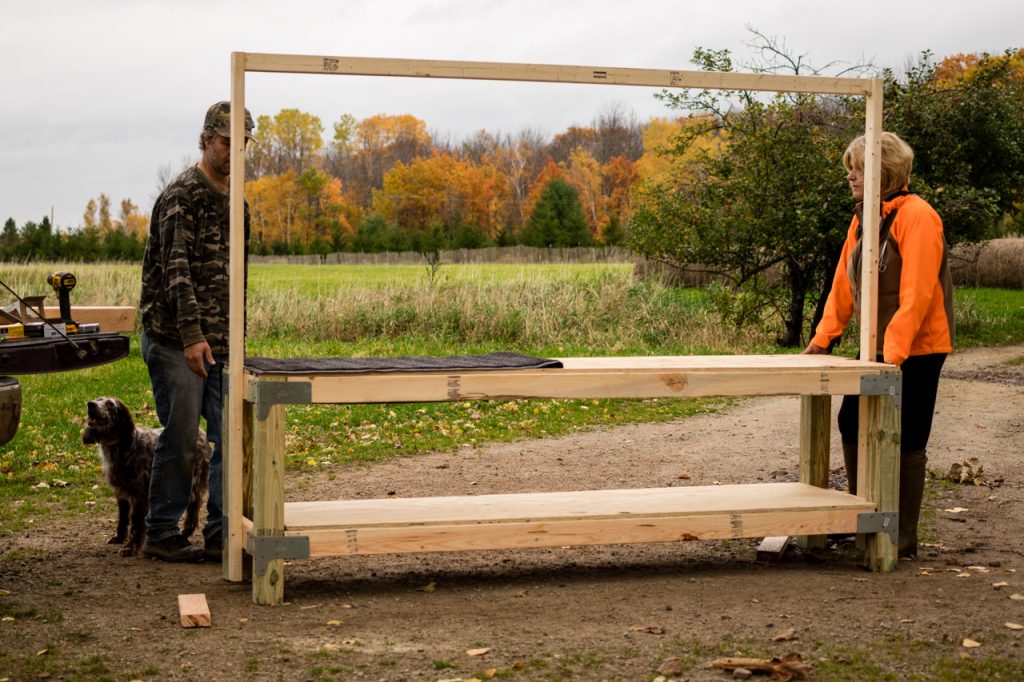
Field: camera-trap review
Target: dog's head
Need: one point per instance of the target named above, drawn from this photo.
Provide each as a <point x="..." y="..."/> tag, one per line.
<point x="109" y="421"/>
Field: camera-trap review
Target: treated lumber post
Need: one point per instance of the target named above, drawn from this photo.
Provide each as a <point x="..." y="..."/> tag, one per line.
<point x="237" y="495"/>
<point x="815" y="414"/>
<point x="231" y="425"/>
<point x="268" y="497"/>
<point x="878" y="472"/>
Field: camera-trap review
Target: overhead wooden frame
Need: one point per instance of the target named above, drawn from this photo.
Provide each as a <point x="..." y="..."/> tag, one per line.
<point x="244" y="62"/>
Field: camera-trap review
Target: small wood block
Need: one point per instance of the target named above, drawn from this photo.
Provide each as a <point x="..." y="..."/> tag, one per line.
<point x="194" y="611"/>
<point x="772" y="548"/>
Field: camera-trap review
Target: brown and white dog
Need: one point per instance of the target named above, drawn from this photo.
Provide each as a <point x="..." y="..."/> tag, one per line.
<point x="127" y="454"/>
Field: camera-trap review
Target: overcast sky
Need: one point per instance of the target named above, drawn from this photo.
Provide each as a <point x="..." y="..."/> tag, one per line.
<point x="96" y="96"/>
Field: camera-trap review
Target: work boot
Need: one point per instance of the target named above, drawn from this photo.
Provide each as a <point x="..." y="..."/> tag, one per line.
<point x="912" y="473"/>
<point x="174" y="548"/>
<point x="850" y="458"/>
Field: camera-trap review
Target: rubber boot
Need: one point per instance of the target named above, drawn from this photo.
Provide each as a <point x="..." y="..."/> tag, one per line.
<point x="912" y="473"/>
<point x="850" y="458"/>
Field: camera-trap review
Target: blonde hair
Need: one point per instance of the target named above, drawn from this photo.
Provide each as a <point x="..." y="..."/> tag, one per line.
<point x="897" y="159"/>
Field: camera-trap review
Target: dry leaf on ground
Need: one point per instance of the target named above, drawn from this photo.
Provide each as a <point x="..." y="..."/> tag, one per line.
<point x="649" y="629"/>
<point x="671" y="667"/>
<point x="783" y="669"/>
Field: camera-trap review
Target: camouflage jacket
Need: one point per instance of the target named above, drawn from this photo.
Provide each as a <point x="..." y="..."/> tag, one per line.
<point x="185" y="269"/>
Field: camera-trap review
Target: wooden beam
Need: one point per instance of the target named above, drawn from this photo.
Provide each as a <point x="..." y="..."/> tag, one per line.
<point x="868" y="314"/>
<point x="193" y="611"/>
<point x="815" y="430"/>
<point x="120" y="318"/>
<point x="268" y="502"/>
<point x="878" y="473"/>
<point x="641" y="377"/>
<point x="550" y="73"/>
<point x="232" y="408"/>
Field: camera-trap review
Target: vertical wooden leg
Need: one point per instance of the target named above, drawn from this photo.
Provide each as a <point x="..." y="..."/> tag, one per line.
<point x="233" y="535"/>
<point x="878" y="472"/>
<point x="815" y="414"/>
<point x="268" y="499"/>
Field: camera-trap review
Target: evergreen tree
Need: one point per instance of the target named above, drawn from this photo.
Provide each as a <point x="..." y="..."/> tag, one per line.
<point x="557" y="219"/>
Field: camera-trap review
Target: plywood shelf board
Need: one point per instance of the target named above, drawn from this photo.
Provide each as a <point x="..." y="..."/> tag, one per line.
<point x="568" y="506"/>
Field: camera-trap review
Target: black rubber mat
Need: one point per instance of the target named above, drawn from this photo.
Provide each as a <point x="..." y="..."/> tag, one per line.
<point x="402" y="363"/>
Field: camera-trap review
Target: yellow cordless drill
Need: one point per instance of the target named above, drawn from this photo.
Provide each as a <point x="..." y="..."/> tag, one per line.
<point x="63" y="283"/>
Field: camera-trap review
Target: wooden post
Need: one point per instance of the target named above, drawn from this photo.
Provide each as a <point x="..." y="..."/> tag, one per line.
<point x="815" y="429"/>
<point x="879" y="472"/>
<point x="232" y="410"/>
<point x="869" y="240"/>
<point x="268" y="499"/>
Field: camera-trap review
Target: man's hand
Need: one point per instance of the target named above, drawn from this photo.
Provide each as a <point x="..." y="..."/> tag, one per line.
<point x="197" y="356"/>
<point x="815" y="349"/>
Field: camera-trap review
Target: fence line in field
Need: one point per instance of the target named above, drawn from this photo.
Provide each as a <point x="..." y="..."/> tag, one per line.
<point x="494" y="254"/>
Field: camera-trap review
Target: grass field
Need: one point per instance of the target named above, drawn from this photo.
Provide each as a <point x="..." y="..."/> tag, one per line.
<point x="309" y="311"/>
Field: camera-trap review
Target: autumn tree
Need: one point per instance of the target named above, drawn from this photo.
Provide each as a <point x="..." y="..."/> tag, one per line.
<point x="380" y="142"/>
<point x="773" y="197"/>
<point x="441" y="194"/>
<point x="964" y="119"/>
<point x="291" y="140"/>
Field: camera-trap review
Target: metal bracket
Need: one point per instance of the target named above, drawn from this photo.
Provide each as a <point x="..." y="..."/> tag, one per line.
<point x="884" y="384"/>
<point x="880" y="522"/>
<point x="266" y="548"/>
<point x="265" y="394"/>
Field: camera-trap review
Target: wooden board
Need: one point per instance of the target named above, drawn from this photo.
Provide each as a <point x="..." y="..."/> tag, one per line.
<point x="431" y="524"/>
<point x="614" y="377"/>
<point x="772" y="548"/>
<point x="118" y="318"/>
<point x="548" y="73"/>
<point x="194" y="611"/>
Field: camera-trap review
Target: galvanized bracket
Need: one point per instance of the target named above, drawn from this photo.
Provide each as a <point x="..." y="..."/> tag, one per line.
<point x="880" y="522"/>
<point x="267" y="548"/>
<point x="266" y="394"/>
<point x="884" y="384"/>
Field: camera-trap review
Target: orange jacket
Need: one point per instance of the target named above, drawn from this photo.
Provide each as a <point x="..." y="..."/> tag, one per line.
<point x="915" y="290"/>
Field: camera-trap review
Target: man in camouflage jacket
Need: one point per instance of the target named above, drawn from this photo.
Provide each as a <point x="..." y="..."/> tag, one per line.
<point x="184" y="341"/>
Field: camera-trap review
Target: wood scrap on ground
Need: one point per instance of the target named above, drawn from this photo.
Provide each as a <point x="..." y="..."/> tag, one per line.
<point x="772" y="548"/>
<point x="194" y="611"/>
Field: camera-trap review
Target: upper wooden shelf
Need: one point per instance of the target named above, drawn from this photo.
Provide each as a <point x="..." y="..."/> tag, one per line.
<point x="606" y="377"/>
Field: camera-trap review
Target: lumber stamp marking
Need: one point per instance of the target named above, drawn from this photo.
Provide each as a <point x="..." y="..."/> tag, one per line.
<point x="193" y="611"/>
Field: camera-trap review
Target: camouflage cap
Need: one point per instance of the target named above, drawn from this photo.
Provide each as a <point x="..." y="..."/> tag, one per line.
<point x="218" y="119"/>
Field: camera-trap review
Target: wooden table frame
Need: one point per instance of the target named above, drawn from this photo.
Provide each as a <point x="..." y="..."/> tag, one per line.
<point x="254" y="407"/>
<point x="275" y="530"/>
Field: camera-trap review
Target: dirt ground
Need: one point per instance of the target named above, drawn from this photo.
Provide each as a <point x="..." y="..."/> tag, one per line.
<point x="608" y="613"/>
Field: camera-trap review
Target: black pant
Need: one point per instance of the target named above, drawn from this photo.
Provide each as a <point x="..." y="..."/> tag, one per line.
<point x="920" y="385"/>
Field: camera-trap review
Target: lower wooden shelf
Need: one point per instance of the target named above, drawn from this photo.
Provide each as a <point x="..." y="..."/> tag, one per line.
<point x="443" y="524"/>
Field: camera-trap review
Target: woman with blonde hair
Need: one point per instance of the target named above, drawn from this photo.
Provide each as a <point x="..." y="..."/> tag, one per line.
<point x="915" y="314"/>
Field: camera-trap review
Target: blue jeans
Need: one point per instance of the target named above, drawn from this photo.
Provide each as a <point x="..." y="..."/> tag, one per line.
<point x="181" y="397"/>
